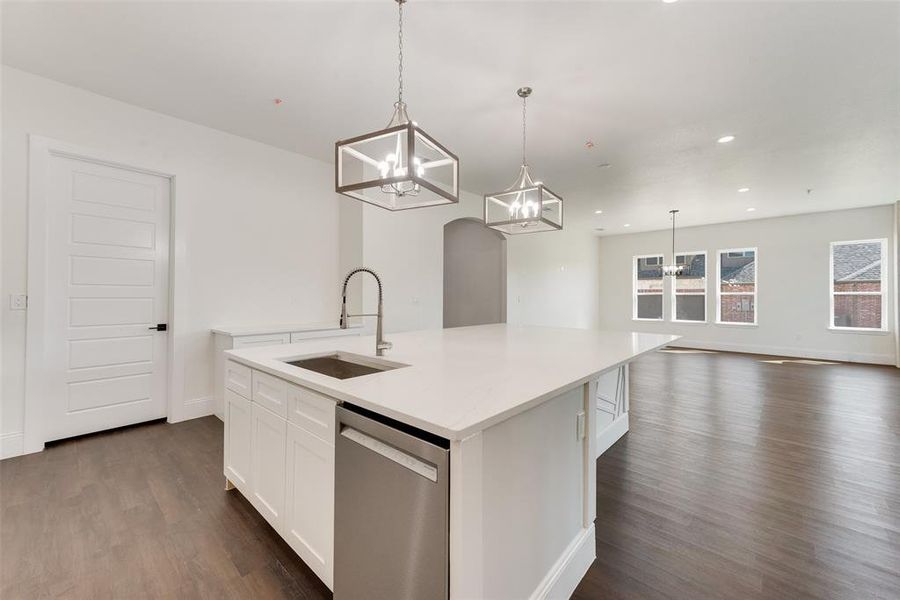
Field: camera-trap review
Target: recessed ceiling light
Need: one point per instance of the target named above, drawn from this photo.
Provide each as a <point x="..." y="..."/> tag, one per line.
<point x="598" y="212"/>
<point x="743" y="190"/>
<point x="627" y="224"/>
<point x="725" y="139"/>
<point x="750" y="209"/>
<point x="669" y="1"/>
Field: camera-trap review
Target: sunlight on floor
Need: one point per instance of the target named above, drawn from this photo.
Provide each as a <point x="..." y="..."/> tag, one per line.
<point x="799" y="361"/>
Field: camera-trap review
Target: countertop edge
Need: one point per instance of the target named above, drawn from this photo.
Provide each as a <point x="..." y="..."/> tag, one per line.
<point x="450" y="434"/>
<point x="238" y="331"/>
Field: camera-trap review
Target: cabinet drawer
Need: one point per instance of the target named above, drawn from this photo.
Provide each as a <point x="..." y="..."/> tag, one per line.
<point x="312" y="412"/>
<point x="270" y="392"/>
<point x="237" y="378"/>
<point x="269" y="339"/>
<point x="299" y="336"/>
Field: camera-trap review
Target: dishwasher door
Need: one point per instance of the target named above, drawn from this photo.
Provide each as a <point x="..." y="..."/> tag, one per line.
<point x="391" y="515"/>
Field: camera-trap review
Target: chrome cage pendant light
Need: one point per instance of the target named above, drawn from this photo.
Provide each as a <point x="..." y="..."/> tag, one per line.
<point x="527" y="206"/>
<point x="673" y="269"/>
<point x="398" y="167"/>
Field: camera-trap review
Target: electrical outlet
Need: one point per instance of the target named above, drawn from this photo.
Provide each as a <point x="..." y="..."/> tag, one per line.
<point x="18" y="302"/>
<point x="579" y="426"/>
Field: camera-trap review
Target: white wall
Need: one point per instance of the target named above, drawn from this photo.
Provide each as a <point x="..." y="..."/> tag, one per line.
<point x="256" y="236"/>
<point x="793" y="285"/>
<point x="406" y="248"/>
<point x="551" y="277"/>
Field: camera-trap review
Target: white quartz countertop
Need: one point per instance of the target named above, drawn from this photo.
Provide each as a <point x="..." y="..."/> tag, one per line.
<point x="463" y="380"/>
<point x="239" y="330"/>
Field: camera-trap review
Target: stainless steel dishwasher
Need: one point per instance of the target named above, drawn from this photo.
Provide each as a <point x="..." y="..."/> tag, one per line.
<point x="391" y="514"/>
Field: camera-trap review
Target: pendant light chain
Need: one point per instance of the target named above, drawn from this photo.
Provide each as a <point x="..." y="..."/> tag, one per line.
<point x="524" y="100"/>
<point x="400" y="52"/>
<point x="673" y="238"/>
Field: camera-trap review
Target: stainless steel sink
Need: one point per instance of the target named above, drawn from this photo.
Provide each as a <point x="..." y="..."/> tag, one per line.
<point x="343" y="365"/>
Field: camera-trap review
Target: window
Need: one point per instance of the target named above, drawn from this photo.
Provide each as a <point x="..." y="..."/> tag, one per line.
<point x="689" y="288"/>
<point x="648" y="288"/>
<point x="858" y="285"/>
<point x="736" y="291"/>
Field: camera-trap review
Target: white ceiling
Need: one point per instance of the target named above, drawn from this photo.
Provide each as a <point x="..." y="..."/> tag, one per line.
<point x="810" y="89"/>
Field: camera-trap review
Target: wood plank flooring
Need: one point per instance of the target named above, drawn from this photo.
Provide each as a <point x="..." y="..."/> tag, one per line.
<point x="745" y="479"/>
<point x="739" y="479"/>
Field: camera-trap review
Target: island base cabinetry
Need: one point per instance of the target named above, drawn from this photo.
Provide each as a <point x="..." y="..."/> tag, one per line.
<point x="309" y="510"/>
<point x="237" y="441"/>
<point x="267" y="447"/>
<point x="281" y="467"/>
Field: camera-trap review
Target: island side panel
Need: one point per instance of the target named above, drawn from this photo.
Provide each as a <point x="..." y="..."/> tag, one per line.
<point x="521" y="513"/>
<point x="466" y="527"/>
<point x="589" y="455"/>
<point x="612" y="408"/>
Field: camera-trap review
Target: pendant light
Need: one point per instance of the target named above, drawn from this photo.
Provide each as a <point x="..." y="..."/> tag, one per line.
<point x="527" y="206"/>
<point x="673" y="269"/>
<point x="398" y="167"/>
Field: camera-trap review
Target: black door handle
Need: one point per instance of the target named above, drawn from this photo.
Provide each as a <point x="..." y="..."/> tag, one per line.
<point x="159" y="327"/>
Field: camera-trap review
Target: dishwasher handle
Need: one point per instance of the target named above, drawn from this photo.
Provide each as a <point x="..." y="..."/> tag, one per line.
<point x="407" y="461"/>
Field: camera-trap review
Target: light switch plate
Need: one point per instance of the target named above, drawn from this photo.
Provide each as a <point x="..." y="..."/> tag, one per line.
<point x="18" y="301"/>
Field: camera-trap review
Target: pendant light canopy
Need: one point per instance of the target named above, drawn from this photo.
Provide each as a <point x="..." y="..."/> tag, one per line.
<point x="673" y="269"/>
<point x="527" y="206"/>
<point x="398" y="167"/>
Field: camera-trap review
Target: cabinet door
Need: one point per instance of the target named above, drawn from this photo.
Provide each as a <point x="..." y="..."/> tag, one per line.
<point x="268" y="446"/>
<point x="237" y="440"/>
<point x="309" y="514"/>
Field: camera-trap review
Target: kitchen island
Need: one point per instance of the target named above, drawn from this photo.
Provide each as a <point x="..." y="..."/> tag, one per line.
<point x="515" y="406"/>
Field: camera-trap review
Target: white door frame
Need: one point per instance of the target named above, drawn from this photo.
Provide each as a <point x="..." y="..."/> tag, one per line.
<point x="40" y="152"/>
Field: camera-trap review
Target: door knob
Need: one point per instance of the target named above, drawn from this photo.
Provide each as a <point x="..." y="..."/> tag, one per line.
<point x="159" y="327"/>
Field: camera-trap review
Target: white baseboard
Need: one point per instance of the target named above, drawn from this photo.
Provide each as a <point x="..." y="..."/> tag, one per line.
<point x="196" y="408"/>
<point x="12" y="444"/>
<point x="859" y="357"/>
<point x="611" y="434"/>
<point x="561" y="581"/>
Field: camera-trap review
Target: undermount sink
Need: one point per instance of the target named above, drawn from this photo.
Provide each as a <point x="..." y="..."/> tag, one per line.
<point x="343" y="365"/>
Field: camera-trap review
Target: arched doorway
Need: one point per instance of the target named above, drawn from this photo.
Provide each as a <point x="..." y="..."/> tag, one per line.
<point x="474" y="274"/>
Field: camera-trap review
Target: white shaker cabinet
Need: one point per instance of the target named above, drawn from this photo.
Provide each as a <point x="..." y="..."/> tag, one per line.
<point x="267" y="450"/>
<point x="237" y="441"/>
<point x="309" y="510"/>
<point x="232" y="338"/>
<point x="279" y="452"/>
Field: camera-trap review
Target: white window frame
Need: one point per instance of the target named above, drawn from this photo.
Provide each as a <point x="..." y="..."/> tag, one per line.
<point x="674" y="286"/>
<point x="720" y="293"/>
<point x="883" y="293"/>
<point x="634" y="292"/>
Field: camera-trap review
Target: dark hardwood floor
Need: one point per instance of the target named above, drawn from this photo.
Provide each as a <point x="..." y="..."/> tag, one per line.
<point x="746" y="479"/>
<point x="739" y="479"/>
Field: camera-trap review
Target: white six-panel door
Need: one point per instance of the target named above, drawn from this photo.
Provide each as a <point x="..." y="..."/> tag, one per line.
<point x="106" y="285"/>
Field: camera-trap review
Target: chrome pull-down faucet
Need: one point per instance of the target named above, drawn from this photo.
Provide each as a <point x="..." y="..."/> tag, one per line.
<point x="380" y="344"/>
